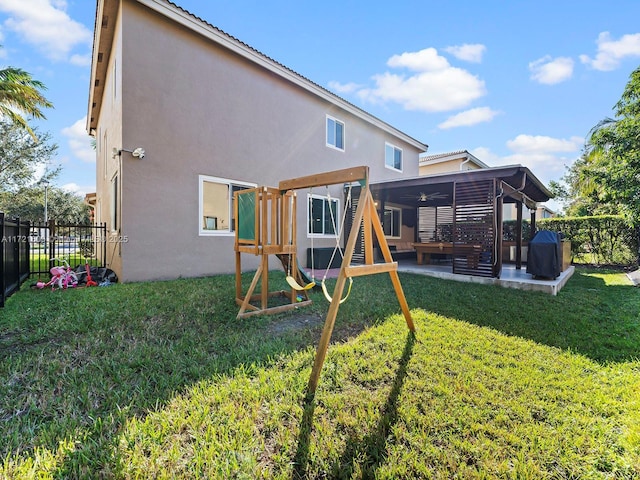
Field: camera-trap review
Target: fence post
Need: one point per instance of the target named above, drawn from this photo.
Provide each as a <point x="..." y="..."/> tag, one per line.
<point x="25" y="263"/>
<point x="15" y="264"/>
<point x="104" y="243"/>
<point x="51" y="228"/>
<point x="638" y="244"/>
<point x="2" y="262"/>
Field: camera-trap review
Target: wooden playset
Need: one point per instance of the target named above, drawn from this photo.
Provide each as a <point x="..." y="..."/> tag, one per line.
<point x="265" y="223"/>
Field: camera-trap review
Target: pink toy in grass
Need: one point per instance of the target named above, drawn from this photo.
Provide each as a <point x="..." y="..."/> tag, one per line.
<point x="61" y="277"/>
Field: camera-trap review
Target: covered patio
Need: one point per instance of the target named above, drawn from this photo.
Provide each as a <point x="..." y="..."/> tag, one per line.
<point x="511" y="277"/>
<point x="460" y="215"/>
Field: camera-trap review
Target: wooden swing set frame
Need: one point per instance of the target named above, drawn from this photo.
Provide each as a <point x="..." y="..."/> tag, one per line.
<point x="275" y="220"/>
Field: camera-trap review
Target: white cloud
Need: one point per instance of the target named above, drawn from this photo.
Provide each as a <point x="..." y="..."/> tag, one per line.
<point x="80" y="60"/>
<point x="550" y="71"/>
<point x="530" y="144"/>
<point x="546" y="157"/>
<point x="436" y="87"/>
<point x="467" y="52"/>
<point x="611" y="52"/>
<point x="426" y="60"/>
<point x="469" y="117"/>
<point x="46" y="25"/>
<point x="39" y="170"/>
<point x="487" y="156"/>
<point x="80" y="190"/>
<point x="80" y="141"/>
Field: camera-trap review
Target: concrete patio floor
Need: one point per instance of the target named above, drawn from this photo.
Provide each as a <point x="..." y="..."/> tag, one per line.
<point x="509" y="278"/>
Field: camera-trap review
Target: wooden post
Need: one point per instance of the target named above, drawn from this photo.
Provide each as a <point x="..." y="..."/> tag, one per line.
<point x="329" y="322"/>
<point x="395" y="280"/>
<point x="518" y="235"/>
<point x="366" y="210"/>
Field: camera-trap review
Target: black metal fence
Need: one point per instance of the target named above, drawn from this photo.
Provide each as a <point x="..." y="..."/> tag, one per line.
<point x="30" y="249"/>
<point x="76" y="244"/>
<point x="14" y="255"/>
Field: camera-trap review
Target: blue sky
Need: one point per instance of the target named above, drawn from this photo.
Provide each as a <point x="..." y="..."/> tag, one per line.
<point x="516" y="82"/>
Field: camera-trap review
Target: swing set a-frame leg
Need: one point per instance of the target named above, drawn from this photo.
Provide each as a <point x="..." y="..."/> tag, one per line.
<point x="365" y="205"/>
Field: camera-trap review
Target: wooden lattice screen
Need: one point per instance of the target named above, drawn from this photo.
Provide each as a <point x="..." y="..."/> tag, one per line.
<point x="358" y="252"/>
<point x="474" y="228"/>
<point x="435" y="224"/>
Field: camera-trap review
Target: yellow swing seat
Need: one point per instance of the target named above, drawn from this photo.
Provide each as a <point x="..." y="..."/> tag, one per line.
<point x="296" y="286"/>
<point x="328" y="297"/>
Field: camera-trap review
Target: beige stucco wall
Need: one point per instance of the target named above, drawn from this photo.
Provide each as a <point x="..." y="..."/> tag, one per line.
<point x="198" y="109"/>
<point x="109" y="135"/>
<point x="446" y="167"/>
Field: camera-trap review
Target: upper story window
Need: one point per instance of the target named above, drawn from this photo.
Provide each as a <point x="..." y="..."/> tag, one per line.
<point x="392" y="157"/>
<point x="216" y="204"/>
<point x="323" y="215"/>
<point x="335" y="133"/>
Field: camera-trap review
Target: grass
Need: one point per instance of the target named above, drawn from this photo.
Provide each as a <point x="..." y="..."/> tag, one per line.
<point x="159" y="380"/>
<point x="40" y="262"/>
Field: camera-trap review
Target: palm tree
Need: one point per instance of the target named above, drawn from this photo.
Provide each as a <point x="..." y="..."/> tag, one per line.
<point x="19" y="93"/>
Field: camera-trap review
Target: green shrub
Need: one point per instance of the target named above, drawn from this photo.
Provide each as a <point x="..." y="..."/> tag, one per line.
<point x="602" y="239"/>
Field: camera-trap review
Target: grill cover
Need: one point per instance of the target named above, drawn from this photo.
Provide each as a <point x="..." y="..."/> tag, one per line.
<point x="543" y="257"/>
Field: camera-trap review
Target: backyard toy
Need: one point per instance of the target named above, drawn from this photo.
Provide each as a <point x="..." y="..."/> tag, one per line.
<point x="337" y="246"/>
<point x="90" y="282"/>
<point x="62" y="276"/>
<point x="266" y="224"/>
<point x="291" y="280"/>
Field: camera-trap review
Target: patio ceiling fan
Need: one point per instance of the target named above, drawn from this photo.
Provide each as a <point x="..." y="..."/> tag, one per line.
<point x="425" y="197"/>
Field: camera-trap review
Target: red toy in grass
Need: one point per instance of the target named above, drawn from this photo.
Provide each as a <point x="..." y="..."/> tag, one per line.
<point x="90" y="282"/>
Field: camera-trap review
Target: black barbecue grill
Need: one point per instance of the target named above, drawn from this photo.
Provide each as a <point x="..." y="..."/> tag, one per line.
<point x="544" y="258"/>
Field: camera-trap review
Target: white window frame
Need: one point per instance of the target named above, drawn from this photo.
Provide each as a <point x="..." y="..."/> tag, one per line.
<point x="230" y="183"/>
<point x="335" y="122"/>
<point x="114" y="213"/>
<point x="105" y="155"/>
<point x="337" y="218"/>
<point x="399" y="213"/>
<point x="394" y="149"/>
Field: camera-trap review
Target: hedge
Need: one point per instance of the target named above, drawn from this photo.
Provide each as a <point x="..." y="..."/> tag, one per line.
<point x="602" y="239"/>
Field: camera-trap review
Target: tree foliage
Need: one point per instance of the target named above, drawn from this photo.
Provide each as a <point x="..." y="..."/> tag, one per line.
<point x="580" y="194"/>
<point x="28" y="204"/>
<point x="610" y="169"/>
<point x="24" y="170"/>
<point x="20" y="93"/>
<point x="21" y="157"/>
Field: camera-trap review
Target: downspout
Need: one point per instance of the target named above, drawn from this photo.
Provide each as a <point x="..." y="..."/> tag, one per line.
<point x="463" y="163"/>
<point x="497" y="243"/>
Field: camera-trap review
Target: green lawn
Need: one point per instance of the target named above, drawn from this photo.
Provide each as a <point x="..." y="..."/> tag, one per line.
<point x="38" y="261"/>
<point x="159" y="380"/>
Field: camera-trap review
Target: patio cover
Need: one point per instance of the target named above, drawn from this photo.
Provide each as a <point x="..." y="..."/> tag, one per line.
<point x="519" y="184"/>
<point x="477" y="197"/>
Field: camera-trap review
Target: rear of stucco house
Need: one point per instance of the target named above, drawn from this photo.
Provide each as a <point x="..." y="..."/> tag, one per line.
<point x="212" y="115"/>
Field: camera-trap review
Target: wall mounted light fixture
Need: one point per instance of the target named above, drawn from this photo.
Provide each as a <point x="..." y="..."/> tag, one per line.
<point x="137" y="152"/>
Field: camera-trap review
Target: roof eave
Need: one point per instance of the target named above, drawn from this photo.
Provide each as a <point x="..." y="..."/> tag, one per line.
<point x="470" y="175"/>
<point x="104" y="31"/>
<point x="216" y="35"/>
